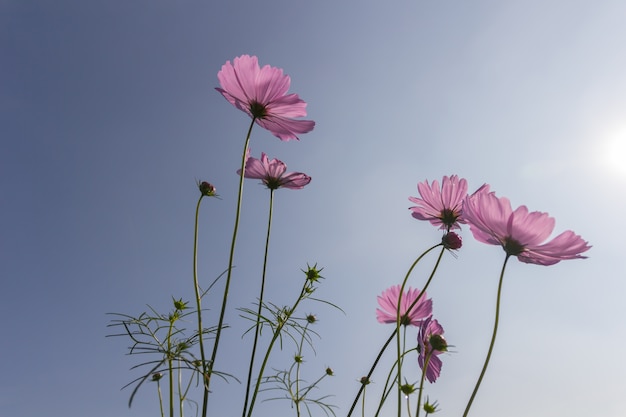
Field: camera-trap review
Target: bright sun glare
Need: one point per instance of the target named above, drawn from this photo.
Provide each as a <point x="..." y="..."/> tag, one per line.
<point x="615" y="152"/>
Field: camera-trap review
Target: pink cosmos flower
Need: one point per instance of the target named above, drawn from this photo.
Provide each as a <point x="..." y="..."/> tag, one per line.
<point x="441" y="206"/>
<point x="388" y="302"/>
<point x="430" y="344"/>
<point x="521" y="233"/>
<point x="262" y="94"/>
<point x="272" y="173"/>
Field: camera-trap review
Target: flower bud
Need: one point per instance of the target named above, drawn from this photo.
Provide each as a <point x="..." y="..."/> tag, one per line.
<point x="429" y="407"/>
<point x="438" y="343"/>
<point x="206" y="189"/>
<point x="408" y="389"/>
<point x="312" y="273"/>
<point x="364" y="380"/>
<point x="451" y="241"/>
<point x="180" y="305"/>
<point x="329" y="371"/>
<point x="311" y="319"/>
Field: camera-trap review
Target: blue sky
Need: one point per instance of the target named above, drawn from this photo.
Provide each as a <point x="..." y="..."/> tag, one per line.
<point x="109" y="116"/>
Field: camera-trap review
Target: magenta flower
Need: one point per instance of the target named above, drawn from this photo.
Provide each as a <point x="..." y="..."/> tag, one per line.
<point x="521" y="233"/>
<point x="272" y="173"/>
<point x="441" y="206"/>
<point x="388" y="302"/>
<point x="262" y="94"/>
<point x="430" y="344"/>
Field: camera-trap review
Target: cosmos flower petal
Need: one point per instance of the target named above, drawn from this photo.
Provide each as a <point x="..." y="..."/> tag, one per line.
<point x="388" y="303"/>
<point x="530" y="228"/>
<point x="567" y="245"/>
<point x="286" y="129"/>
<point x="294" y="180"/>
<point x="262" y="94"/>
<point x="429" y="328"/>
<point x="272" y="173"/>
<point x="434" y="367"/>
<point x="521" y="233"/>
<point x="440" y="205"/>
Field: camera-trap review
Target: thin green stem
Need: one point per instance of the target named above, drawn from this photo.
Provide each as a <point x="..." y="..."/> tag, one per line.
<point x="231" y="258"/>
<point x="389" y="385"/>
<point x="493" y="338"/>
<point x="170" y="365"/>
<point x="421" y="390"/>
<point x="198" y="293"/>
<point x="258" y="316"/>
<point x="413" y="304"/>
<point x="298" y="363"/>
<point x="160" y="398"/>
<point x="395" y="331"/>
<point x="282" y="321"/>
<point x="181" y="397"/>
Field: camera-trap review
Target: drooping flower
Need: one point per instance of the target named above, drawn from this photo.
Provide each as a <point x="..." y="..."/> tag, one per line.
<point x="520" y="233"/>
<point x="388" y="302"/>
<point x="430" y="344"/>
<point x="441" y="206"/>
<point x="272" y="173"/>
<point x="262" y="94"/>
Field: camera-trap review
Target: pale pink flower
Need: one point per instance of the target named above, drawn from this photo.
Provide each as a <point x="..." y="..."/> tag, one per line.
<point x="431" y="344"/>
<point x="441" y="206"/>
<point x="272" y="173"/>
<point x="262" y="94"/>
<point x="388" y="302"/>
<point x="521" y="233"/>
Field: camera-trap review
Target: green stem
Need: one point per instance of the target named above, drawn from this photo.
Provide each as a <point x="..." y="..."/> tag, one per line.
<point x="413" y="304"/>
<point x="258" y="316"/>
<point x="493" y="338"/>
<point x="421" y="390"/>
<point x="231" y="258"/>
<point x="181" y="397"/>
<point x="389" y="385"/>
<point x="298" y="362"/>
<point x="395" y="331"/>
<point x="170" y="365"/>
<point x="196" y="286"/>
<point x="160" y="398"/>
<point x="281" y="323"/>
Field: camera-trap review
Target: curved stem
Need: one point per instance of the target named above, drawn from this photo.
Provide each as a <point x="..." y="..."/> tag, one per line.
<point x="298" y="363"/>
<point x="282" y="322"/>
<point x="258" y="316"/>
<point x="413" y="304"/>
<point x="389" y="385"/>
<point x="493" y="339"/>
<point x="395" y="331"/>
<point x="231" y="257"/>
<point x="421" y="390"/>
<point x="196" y="286"/>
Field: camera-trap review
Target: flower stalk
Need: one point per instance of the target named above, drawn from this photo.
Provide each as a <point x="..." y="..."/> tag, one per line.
<point x="493" y="339"/>
<point x="231" y="257"/>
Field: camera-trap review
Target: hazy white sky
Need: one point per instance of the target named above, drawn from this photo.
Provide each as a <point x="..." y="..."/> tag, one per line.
<point x="109" y="116"/>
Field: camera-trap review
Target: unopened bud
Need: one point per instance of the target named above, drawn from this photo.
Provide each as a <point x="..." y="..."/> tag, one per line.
<point x="451" y="241"/>
<point x="438" y="343"/>
<point x="206" y="189"/>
